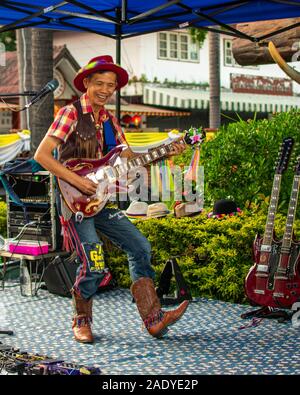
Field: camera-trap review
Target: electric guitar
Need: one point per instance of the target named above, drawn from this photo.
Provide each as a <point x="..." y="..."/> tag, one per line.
<point x="287" y="276"/>
<point x="107" y="173"/>
<point x="259" y="281"/>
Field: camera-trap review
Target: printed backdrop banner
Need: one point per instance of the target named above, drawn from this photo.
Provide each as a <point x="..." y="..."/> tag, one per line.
<point x="11" y="145"/>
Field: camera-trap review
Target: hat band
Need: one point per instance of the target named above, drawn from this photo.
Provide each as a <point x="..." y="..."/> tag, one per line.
<point x="220" y="216"/>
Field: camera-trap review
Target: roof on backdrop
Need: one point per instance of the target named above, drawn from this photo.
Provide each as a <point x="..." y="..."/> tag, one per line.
<point x="9" y="81"/>
<point x="141" y="109"/>
<point x="127" y="18"/>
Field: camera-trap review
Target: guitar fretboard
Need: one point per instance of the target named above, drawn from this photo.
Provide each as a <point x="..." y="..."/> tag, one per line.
<point x="144" y="159"/>
<point x="287" y="238"/>
<point x="269" y="229"/>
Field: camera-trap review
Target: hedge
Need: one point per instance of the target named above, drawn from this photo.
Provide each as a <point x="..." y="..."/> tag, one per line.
<point x="214" y="255"/>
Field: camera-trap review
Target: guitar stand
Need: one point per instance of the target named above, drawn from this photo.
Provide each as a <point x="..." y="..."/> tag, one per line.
<point x="182" y="291"/>
<point x="268" y="312"/>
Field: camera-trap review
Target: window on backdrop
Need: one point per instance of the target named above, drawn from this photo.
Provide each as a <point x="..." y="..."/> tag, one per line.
<point x="229" y="59"/>
<point x="177" y="46"/>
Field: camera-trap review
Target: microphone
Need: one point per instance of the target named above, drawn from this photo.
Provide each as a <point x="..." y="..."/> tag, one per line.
<point x="49" y="87"/>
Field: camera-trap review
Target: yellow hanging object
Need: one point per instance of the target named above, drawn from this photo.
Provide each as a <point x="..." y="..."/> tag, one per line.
<point x="7" y="139"/>
<point x="143" y="139"/>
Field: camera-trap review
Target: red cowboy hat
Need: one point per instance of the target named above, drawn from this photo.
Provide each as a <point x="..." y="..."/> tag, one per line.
<point x="100" y="63"/>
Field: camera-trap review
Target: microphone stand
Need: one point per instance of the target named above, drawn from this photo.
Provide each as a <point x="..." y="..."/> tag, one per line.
<point x="6" y="95"/>
<point x="26" y="93"/>
<point x="5" y="332"/>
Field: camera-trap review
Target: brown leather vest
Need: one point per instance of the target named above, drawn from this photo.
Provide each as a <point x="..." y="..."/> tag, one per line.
<point x="82" y="143"/>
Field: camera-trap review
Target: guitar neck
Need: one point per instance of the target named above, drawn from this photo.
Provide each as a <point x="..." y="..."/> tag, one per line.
<point x="269" y="228"/>
<point x="288" y="233"/>
<point x="145" y="159"/>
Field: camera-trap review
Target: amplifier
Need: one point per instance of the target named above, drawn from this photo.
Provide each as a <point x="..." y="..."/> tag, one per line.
<point x="35" y="230"/>
<point x="18" y="218"/>
<point x="41" y="222"/>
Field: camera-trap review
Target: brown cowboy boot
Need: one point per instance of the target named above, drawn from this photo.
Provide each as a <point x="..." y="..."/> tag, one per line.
<point x="149" y="307"/>
<point x="82" y="319"/>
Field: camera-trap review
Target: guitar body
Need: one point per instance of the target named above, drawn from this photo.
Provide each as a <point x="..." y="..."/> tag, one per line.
<point x="259" y="282"/>
<point x="287" y="276"/>
<point x="287" y="283"/>
<point x="259" y="285"/>
<point x="98" y="170"/>
<point x="109" y="173"/>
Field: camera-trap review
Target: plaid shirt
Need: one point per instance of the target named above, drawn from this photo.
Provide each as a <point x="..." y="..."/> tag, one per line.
<point x="66" y="120"/>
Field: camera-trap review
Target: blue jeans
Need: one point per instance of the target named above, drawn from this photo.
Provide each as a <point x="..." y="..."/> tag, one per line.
<point x="117" y="227"/>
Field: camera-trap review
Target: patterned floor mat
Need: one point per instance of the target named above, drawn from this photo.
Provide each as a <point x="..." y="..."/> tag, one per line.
<point x="206" y="341"/>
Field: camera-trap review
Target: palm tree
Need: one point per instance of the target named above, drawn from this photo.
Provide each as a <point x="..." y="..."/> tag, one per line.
<point x="42" y="72"/>
<point x="199" y="35"/>
<point x="214" y="80"/>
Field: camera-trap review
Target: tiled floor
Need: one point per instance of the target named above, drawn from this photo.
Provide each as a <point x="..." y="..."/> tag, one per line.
<point x="206" y="341"/>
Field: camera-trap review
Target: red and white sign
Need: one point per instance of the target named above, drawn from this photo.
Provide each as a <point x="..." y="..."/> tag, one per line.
<point x="244" y="83"/>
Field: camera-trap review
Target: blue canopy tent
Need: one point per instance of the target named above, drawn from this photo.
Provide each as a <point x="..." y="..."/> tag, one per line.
<point x="121" y="19"/>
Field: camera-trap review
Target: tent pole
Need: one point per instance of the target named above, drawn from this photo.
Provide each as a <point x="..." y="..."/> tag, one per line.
<point x="118" y="61"/>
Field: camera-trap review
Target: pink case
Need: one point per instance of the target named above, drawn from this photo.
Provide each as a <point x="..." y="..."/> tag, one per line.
<point x="29" y="247"/>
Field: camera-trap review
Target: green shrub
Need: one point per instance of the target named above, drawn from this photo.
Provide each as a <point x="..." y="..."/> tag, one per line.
<point x="214" y="255"/>
<point x="3" y="219"/>
<point x="239" y="162"/>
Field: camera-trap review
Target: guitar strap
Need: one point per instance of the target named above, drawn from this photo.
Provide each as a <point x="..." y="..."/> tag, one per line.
<point x="109" y="136"/>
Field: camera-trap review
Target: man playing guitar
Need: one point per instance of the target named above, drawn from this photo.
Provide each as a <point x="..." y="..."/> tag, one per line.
<point x="85" y="129"/>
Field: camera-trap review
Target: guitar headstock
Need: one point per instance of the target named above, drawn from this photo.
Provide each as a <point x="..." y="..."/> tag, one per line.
<point x="194" y="137"/>
<point x="284" y="155"/>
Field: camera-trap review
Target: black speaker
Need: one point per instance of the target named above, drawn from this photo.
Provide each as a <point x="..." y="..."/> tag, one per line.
<point x="60" y="275"/>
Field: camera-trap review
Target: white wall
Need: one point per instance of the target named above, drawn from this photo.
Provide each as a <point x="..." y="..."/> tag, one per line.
<point x="139" y="56"/>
